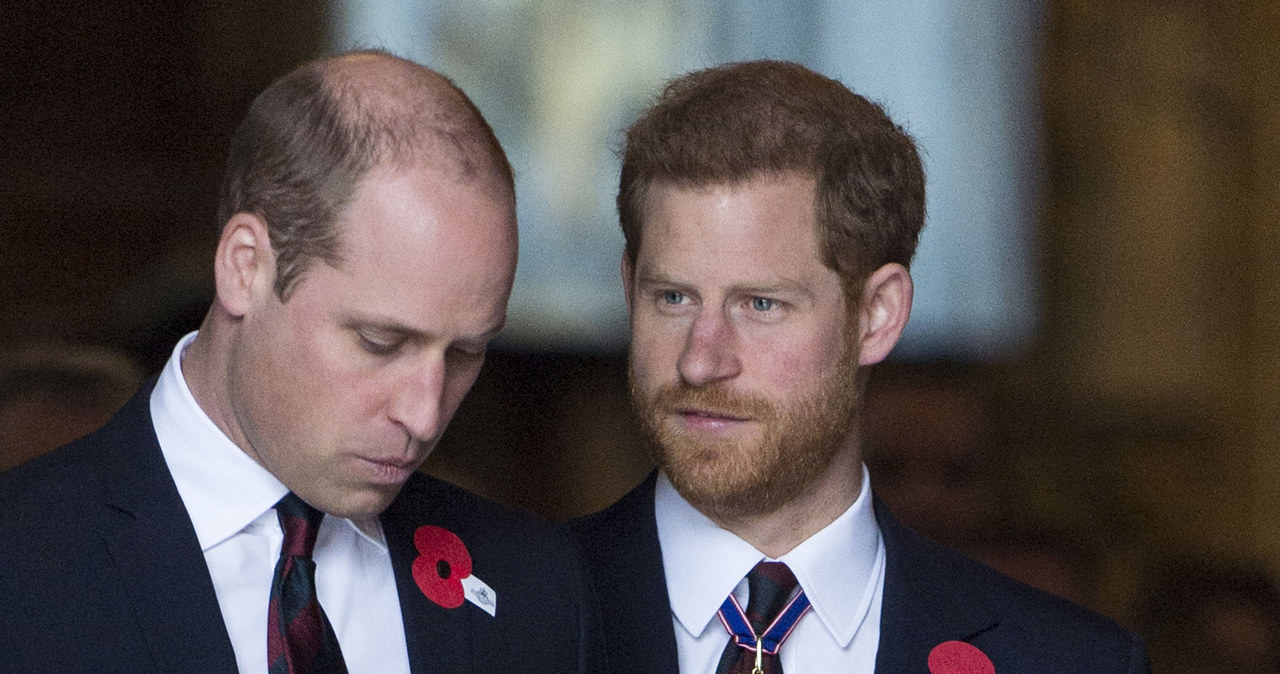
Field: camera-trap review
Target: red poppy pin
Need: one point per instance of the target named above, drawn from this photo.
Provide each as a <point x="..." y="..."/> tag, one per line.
<point x="443" y="571"/>
<point x="957" y="657"/>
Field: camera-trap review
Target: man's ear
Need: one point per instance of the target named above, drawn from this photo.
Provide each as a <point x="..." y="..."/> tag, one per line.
<point x="883" y="313"/>
<point x="626" y="280"/>
<point x="244" y="264"/>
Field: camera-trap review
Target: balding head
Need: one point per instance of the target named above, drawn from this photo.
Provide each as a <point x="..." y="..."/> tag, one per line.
<point x="309" y="139"/>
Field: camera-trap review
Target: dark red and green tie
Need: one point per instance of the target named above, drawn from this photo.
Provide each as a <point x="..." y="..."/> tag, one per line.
<point x="300" y="639"/>
<point x="757" y="633"/>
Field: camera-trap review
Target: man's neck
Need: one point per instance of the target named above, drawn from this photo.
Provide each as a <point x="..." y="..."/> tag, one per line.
<point x="204" y="368"/>
<point x="778" y="532"/>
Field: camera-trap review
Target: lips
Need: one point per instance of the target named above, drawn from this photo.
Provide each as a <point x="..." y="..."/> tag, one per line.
<point x="711" y="414"/>
<point x="388" y="471"/>
<point x="713" y="422"/>
<point x="710" y="410"/>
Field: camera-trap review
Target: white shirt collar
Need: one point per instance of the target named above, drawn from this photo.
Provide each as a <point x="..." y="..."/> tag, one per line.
<point x="222" y="487"/>
<point x="837" y="566"/>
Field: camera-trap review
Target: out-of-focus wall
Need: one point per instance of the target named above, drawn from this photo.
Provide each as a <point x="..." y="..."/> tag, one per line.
<point x="115" y="123"/>
<point x="1261" y="404"/>
<point x="1162" y="261"/>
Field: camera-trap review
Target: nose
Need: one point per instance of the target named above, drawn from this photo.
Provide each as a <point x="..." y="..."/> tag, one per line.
<point x="417" y="403"/>
<point x="710" y="351"/>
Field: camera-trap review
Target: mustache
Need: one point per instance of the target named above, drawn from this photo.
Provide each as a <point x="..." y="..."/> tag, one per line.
<point x="713" y="399"/>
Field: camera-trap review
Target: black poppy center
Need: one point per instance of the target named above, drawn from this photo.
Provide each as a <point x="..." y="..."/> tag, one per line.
<point x="442" y="569"/>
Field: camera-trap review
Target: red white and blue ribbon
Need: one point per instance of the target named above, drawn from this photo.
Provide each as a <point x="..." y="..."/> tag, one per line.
<point x="735" y="621"/>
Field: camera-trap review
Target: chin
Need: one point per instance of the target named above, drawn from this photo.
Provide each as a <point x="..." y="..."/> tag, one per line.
<point x="715" y="482"/>
<point x="364" y="505"/>
<point x="732" y="481"/>
<point x="727" y="500"/>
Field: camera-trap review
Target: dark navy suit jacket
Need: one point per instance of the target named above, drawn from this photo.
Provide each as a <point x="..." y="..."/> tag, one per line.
<point x="931" y="595"/>
<point x="100" y="571"/>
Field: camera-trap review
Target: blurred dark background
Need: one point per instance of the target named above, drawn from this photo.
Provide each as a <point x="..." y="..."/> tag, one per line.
<point x="1133" y="446"/>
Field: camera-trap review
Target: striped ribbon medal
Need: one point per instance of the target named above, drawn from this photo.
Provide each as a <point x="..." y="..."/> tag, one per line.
<point x="736" y="622"/>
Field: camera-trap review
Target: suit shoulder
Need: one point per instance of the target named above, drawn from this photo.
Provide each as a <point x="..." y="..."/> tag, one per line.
<point x="600" y="530"/>
<point x="78" y="471"/>
<point x="427" y="492"/>
<point x="1053" y="629"/>
<point x="430" y="500"/>
<point x="592" y="525"/>
<point x="1018" y="598"/>
<point x="1017" y="624"/>
<point x="48" y="482"/>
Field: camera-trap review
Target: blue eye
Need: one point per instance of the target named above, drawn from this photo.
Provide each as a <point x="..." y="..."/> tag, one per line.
<point x="672" y="297"/>
<point x="763" y="303"/>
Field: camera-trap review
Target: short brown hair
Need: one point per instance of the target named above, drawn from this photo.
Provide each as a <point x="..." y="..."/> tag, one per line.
<point x="309" y="138"/>
<point x="734" y="122"/>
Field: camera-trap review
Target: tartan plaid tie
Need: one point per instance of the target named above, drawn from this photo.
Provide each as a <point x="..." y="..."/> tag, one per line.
<point x="300" y="639"/>
<point x="769" y="586"/>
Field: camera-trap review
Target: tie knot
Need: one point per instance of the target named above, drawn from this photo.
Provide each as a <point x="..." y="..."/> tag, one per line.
<point x="769" y="586"/>
<point x="300" y="524"/>
<point x="757" y="633"/>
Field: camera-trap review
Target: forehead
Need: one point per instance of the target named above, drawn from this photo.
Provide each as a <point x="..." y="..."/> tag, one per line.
<point x="428" y="198"/>
<point x="765" y="224"/>
<point x="414" y="241"/>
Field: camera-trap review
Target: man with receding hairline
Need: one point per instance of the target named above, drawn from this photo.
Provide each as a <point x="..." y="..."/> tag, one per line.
<point x="770" y="217"/>
<point x="257" y="507"/>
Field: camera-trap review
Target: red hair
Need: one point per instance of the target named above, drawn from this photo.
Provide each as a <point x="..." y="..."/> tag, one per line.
<point x="734" y="122"/>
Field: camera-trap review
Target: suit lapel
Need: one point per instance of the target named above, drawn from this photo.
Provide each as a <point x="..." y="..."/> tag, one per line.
<point x="439" y="639"/>
<point x="922" y="607"/>
<point x="153" y="544"/>
<point x="622" y="546"/>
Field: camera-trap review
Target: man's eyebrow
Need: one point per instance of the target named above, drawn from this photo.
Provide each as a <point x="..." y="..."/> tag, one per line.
<point x="392" y="327"/>
<point x="651" y="277"/>
<point x="773" y="286"/>
<point x="763" y="286"/>
<point x="382" y="325"/>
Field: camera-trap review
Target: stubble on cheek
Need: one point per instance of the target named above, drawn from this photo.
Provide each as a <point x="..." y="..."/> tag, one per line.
<point x="713" y="473"/>
<point x="753" y="473"/>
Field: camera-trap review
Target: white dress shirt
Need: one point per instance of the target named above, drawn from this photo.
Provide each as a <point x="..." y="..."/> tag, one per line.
<point x="840" y="568"/>
<point x="231" y="501"/>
